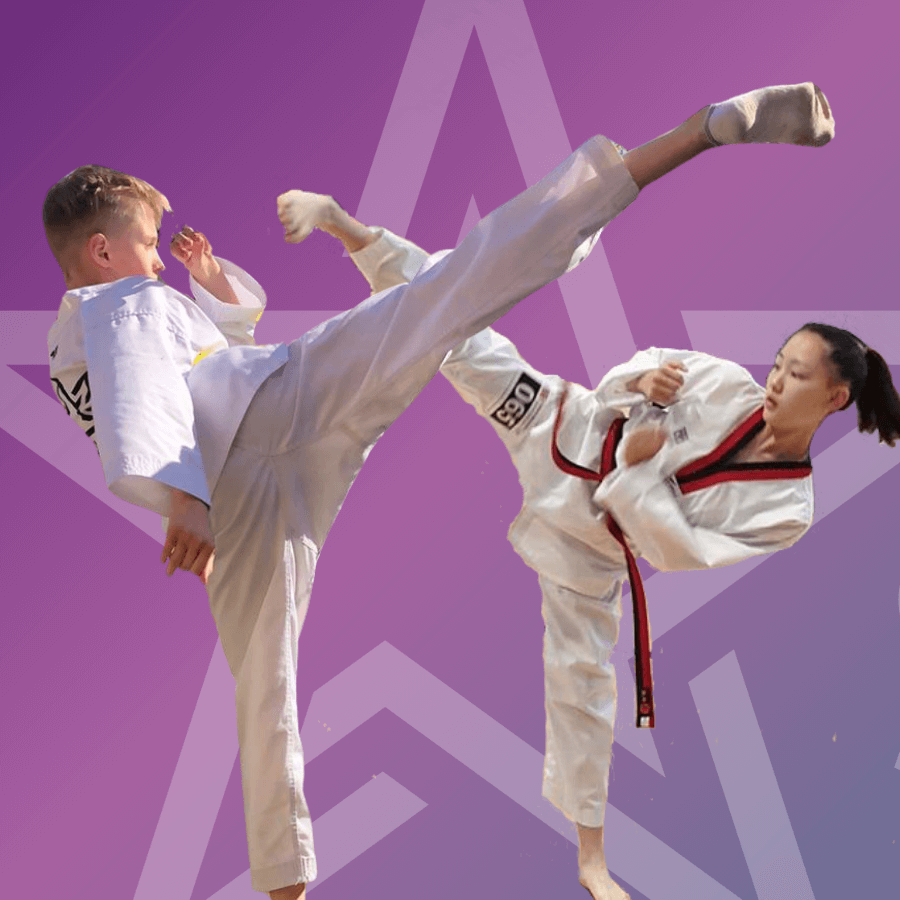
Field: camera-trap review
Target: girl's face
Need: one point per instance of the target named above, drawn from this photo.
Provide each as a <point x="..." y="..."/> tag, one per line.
<point x="800" y="388"/>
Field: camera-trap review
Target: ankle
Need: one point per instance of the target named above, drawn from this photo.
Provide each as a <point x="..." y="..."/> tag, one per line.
<point x="291" y="892"/>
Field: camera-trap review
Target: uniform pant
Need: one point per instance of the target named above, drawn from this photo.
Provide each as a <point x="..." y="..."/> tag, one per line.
<point x="307" y="432"/>
<point x="580" y="633"/>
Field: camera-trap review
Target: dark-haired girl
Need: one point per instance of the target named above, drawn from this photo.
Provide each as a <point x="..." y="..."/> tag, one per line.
<point x="677" y="456"/>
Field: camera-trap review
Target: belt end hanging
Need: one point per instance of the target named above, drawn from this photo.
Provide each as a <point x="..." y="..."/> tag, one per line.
<point x="646" y="714"/>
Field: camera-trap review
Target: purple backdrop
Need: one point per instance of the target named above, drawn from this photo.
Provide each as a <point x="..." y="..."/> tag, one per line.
<point x="772" y="772"/>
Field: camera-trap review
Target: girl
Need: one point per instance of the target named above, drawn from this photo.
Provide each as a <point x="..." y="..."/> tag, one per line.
<point x="676" y="456"/>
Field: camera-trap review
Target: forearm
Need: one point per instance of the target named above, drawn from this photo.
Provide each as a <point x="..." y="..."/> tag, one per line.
<point x="351" y="233"/>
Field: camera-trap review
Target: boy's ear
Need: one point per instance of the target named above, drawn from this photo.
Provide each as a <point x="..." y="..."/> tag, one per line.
<point x="98" y="250"/>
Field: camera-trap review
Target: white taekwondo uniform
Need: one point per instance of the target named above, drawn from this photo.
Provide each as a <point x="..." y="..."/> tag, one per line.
<point x="712" y="519"/>
<point x="272" y="437"/>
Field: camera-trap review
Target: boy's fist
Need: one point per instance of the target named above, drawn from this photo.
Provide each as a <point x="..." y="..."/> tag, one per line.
<point x="301" y="211"/>
<point x="192" y="250"/>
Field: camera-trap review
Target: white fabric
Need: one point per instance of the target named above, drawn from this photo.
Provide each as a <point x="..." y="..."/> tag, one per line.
<point x="170" y="379"/>
<point x="560" y="531"/>
<point x="305" y="433"/>
<point x="580" y="634"/>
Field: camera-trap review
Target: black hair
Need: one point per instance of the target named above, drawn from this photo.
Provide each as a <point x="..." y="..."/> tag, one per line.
<point x="867" y="376"/>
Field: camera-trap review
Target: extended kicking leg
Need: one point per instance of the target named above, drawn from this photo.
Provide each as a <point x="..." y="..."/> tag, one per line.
<point x="784" y="114"/>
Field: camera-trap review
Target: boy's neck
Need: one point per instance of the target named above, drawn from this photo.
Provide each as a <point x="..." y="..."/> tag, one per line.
<point x="78" y="277"/>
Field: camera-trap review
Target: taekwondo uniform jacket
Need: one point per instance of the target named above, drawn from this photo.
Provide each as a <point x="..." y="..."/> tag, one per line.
<point x="170" y="379"/>
<point x="561" y="531"/>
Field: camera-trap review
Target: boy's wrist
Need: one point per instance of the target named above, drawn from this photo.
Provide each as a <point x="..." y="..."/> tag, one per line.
<point x="217" y="284"/>
<point x="207" y="273"/>
<point x="180" y="499"/>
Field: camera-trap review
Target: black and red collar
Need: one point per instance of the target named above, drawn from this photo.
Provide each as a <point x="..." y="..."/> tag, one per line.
<point x="719" y="465"/>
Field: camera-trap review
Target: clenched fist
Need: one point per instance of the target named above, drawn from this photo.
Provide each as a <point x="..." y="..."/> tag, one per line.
<point x="192" y="250"/>
<point x="661" y="385"/>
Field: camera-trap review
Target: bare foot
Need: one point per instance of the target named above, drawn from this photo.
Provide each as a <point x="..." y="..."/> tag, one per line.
<point x="301" y="211"/>
<point x="597" y="882"/>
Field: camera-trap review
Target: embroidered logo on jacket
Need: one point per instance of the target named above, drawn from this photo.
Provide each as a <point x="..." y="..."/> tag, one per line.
<point x="680" y="435"/>
<point x="77" y="401"/>
<point x="518" y="401"/>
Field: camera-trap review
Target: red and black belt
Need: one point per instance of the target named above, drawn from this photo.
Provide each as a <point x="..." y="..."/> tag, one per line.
<point x="711" y="469"/>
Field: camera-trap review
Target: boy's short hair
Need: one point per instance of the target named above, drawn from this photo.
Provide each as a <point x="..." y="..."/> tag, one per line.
<point x="87" y="200"/>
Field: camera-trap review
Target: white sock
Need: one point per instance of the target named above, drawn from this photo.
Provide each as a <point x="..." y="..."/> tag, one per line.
<point x="784" y="114"/>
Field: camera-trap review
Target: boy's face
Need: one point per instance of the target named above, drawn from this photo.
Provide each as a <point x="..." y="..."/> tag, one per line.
<point x="133" y="244"/>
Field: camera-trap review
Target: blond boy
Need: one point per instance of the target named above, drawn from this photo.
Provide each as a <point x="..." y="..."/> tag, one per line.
<point x="249" y="451"/>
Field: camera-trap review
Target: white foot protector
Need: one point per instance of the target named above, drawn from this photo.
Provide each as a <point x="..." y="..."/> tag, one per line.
<point x="300" y="212"/>
<point x="783" y="114"/>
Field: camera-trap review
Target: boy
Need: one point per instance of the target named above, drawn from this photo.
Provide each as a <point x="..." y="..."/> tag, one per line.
<point x="251" y="450"/>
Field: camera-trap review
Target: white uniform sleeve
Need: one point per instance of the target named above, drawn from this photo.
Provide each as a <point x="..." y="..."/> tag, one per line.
<point x="388" y="261"/>
<point x="647" y="508"/>
<point x="143" y="413"/>
<point x="237" y="322"/>
<point x="613" y="389"/>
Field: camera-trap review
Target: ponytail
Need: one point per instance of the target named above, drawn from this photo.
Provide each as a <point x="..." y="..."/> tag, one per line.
<point x="867" y="376"/>
<point x="878" y="405"/>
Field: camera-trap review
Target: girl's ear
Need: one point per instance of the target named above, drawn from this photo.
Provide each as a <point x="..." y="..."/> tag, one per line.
<point x="840" y="398"/>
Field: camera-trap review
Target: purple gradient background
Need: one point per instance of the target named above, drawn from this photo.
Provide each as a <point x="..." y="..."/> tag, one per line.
<point x="224" y="106"/>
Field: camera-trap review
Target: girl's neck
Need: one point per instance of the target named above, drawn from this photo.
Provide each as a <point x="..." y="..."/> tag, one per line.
<point x="777" y="446"/>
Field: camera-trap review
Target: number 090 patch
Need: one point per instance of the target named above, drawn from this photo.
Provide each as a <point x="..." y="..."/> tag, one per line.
<point x="518" y="401"/>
